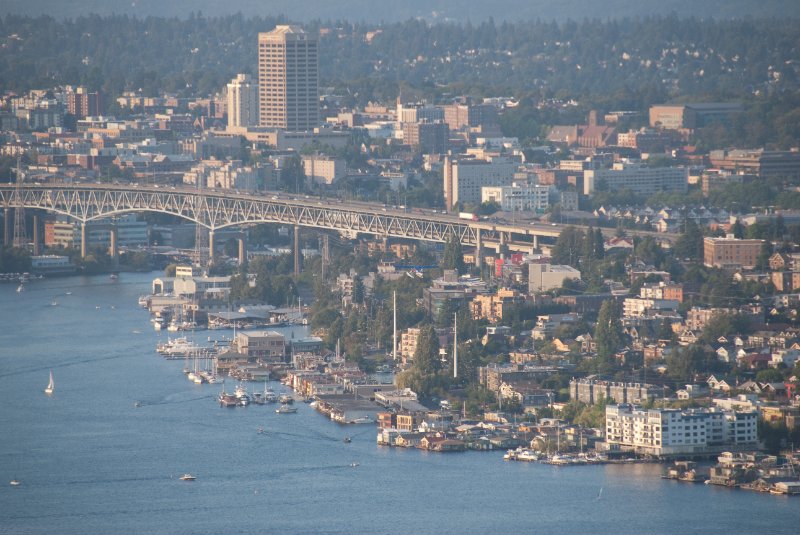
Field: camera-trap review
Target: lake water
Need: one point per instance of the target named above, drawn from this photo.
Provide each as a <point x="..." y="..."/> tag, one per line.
<point x="91" y="462"/>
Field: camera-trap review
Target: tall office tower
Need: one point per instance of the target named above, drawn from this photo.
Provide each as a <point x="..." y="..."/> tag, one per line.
<point x="288" y="79"/>
<point x="242" y="101"/>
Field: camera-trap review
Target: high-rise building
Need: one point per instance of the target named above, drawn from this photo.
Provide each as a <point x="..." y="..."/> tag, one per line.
<point x="288" y="79"/>
<point x="83" y="103"/>
<point x="242" y="101"/>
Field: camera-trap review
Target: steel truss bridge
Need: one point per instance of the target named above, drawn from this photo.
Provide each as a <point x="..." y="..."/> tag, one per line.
<point x="214" y="210"/>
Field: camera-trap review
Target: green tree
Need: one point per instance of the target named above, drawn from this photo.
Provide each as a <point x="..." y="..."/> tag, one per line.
<point x="569" y="247"/>
<point x="453" y="255"/>
<point x="426" y="356"/>
<point x="608" y="334"/>
<point x="690" y="243"/>
<point x="358" y="290"/>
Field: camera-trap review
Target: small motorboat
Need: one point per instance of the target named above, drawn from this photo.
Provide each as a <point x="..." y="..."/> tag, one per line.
<point x="15" y="482"/>
<point x="286" y="409"/>
<point x="187" y="477"/>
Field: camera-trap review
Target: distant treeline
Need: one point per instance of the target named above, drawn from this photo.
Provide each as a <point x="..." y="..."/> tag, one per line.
<point x="628" y="62"/>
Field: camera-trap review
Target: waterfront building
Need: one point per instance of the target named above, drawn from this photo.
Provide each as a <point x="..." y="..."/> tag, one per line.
<point x="288" y="79"/>
<point x="242" y="101"/>
<point x="665" y="432"/>
<point x="264" y="345"/>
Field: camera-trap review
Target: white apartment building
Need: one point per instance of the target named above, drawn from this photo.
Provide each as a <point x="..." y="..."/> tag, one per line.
<point x="323" y="169"/>
<point x="636" y="177"/>
<point x="242" y="101"/>
<point x="519" y="196"/>
<point x="662" y="432"/>
<point x="220" y="174"/>
<point x="464" y="178"/>
<point x="545" y="277"/>
<point x="641" y="306"/>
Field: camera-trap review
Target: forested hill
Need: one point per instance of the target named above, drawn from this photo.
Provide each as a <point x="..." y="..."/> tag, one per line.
<point x="431" y="10"/>
<point x="630" y="63"/>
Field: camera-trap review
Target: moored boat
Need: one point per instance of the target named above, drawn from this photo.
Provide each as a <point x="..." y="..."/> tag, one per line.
<point x="51" y="386"/>
<point x="187" y="477"/>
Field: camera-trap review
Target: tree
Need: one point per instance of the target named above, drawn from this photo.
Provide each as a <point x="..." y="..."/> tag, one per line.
<point x="453" y="255"/>
<point x="690" y="243"/>
<point x="608" y="333"/>
<point x="568" y="247"/>
<point x="426" y="356"/>
<point x="358" y="290"/>
<point x="737" y="229"/>
<point x="684" y="362"/>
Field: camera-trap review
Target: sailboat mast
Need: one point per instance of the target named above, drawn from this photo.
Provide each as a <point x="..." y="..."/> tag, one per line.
<point x="455" y="345"/>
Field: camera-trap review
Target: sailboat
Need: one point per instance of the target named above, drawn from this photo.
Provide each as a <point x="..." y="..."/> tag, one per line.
<point x="51" y="385"/>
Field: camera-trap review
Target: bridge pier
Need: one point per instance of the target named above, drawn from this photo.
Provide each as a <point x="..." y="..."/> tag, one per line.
<point x="478" y="249"/>
<point x="84" y="250"/>
<point x="242" y="251"/>
<point x="37" y="238"/>
<point x="535" y="241"/>
<point x="7" y="226"/>
<point x="502" y="249"/>
<point x="296" y="251"/>
<point x="210" y="247"/>
<point x="112" y="247"/>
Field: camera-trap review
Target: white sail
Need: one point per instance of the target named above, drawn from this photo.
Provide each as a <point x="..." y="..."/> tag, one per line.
<point x="51" y="385"/>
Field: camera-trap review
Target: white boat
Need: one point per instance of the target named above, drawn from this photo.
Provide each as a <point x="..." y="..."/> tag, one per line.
<point x="51" y="386"/>
<point x="286" y="398"/>
<point x="20" y="288"/>
<point x="286" y="409"/>
<point x="14" y="482"/>
<point x="187" y="477"/>
<point x="362" y="420"/>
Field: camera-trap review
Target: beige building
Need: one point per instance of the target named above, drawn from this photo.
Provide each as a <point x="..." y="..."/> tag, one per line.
<point x="323" y="169"/>
<point x="545" y="277"/>
<point x="464" y="178"/>
<point x="492" y="307"/>
<point x="731" y="253"/>
<point x="265" y="345"/>
<point x="288" y="79"/>
<point x="242" y="101"/>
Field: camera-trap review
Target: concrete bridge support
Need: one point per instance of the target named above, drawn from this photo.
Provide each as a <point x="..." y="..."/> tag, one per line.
<point x="242" y="251"/>
<point x="7" y="236"/>
<point x="113" y="250"/>
<point x="37" y="237"/>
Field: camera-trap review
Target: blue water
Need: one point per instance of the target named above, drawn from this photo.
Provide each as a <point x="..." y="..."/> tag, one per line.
<point x="89" y="461"/>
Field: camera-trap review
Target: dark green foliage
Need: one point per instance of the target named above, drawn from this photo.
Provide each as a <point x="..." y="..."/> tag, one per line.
<point x="453" y="255"/>
<point x="14" y="260"/>
<point x="608" y="334"/>
<point x="569" y="247"/>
